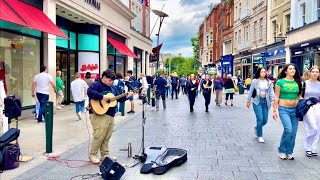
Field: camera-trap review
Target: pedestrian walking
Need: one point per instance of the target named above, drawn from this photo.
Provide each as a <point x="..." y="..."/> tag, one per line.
<point x="144" y="84"/>
<point x="183" y="82"/>
<point x="261" y="95"/>
<point x="218" y="87"/>
<point x="79" y="93"/>
<point x="174" y="83"/>
<point x="160" y="86"/>
<point x="103" y="124"/>
<point x="88" y="78"/>
<point x="311" y="120"/>
<point x="60" y="88"/>
<point x="169" y="87"/>
<point x="134" y="84"/>
<point x="120" y="85"/>
<point x="287" y="94"/>
<point x="206" y="91"/>
<point x="229" y="89"/>
<point x="192" y="87"/>
<point x="248" y="83"/>
<point x="40" y="88"/>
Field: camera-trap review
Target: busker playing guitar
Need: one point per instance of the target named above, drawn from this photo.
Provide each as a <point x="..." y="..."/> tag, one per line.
<point x="101" y="93"/>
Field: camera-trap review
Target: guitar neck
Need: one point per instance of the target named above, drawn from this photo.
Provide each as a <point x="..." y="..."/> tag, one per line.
<point x="119" y="96"/>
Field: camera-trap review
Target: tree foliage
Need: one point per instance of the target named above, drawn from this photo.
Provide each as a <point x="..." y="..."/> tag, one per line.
<point x="195" y="44"/>
<point x="181" y="65"/>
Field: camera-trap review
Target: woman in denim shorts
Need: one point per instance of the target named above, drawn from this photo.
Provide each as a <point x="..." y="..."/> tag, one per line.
<point x="287" y="94"/>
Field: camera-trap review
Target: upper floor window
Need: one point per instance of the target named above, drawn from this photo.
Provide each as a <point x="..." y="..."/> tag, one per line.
<point x="274" y="30"/>
<point x="274" y="3"/>
<point x="302" y="14"/>
<point x="235" y="13"/>
<point x="318" y="10"/>
<point x="246" y="33"/>
<point x="236" y="37"/>
<point x="287" y="19"/>
<point x="261" y="28"/>
<point x="239" y="10"/>
<point x="255" y="30"/>
<point x="211" y="38"/>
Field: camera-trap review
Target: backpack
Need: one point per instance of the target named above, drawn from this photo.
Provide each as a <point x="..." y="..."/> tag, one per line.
<point x="120" y="86"/>
<point x="174" y="81"/>
<point x="12" y="107"/>
<point x="218" y="84"/>
<point x="135" y="83"/>
<point x="10" y="157"/>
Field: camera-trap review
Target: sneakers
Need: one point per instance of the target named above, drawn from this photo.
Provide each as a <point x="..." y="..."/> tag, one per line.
<point x="290" y="157"/>
<point x="314" y="153"/>
<point x="59" y="107"/>
<point x="157" y="109"/>
<point x="79" y="115"/>
<point x="309" y="153"/>
<point x="130" y="112"/>
<point x="260" y="139"/>
<point x="282" y="156"/>
<point x="94" y="159"/>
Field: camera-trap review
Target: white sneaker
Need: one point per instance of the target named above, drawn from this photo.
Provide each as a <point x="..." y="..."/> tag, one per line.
<point x="282" y="156"/>
<point x="59" y="107"/>
<point x="260" y="139"/>
<point x="94" y="159"/>
<point x="79" y="115"/>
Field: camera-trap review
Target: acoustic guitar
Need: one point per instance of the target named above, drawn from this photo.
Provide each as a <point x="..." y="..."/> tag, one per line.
<point x="100" y="107"/>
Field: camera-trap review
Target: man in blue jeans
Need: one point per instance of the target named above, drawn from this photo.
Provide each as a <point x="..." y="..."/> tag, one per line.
<point x="160" y="85"/>
<point x="40" y="85"/>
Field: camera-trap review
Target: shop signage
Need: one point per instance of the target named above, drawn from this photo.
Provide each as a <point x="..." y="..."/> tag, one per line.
<point x="305" y="44"/>
<point x="245" y="60"/>
<point x="276" y="52"/>
<point x="257" y="59"/>
<point x="94" y="3"/>
<point x="88" y="62"/>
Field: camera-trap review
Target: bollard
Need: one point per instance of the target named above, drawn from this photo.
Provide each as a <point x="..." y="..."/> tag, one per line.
<point x="122" y="107"/>
<point x="49" y="126"/>
<point x="149" y="92"/>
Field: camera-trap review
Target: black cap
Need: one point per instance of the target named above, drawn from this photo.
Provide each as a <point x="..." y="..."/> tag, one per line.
<point x="88" y="74"/>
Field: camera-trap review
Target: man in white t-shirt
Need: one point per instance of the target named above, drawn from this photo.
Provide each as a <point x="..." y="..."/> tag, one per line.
<point x="40" y="85"/>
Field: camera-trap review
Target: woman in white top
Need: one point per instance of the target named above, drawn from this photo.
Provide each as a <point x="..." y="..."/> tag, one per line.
<point x="79" y="92"/>
<point x="144" y="84"/>
<point x="311" y="120"/>
<point x="261" y="94"/>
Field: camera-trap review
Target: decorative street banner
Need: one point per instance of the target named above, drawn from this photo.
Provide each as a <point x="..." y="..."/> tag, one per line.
<point x="88" y="62"/>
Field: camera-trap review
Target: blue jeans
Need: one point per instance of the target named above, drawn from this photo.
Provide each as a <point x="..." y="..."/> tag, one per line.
<point x="290" y="124"/>
<point x="261" y="110"/>
<point x="79" y="106"/>
<point x="42" y="98"/>
<point x="161" y="94"/>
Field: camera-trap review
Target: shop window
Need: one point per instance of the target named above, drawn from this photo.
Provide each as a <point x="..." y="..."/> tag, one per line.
<point x="88" y="42"/>
<point x="62" y="42"/>
<point x="19" y="63"/>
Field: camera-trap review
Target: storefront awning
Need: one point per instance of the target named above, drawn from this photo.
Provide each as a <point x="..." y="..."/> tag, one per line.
<point x="34" y="18"/>
<point x="122" y="48"/>
<point x="6" y="14"/>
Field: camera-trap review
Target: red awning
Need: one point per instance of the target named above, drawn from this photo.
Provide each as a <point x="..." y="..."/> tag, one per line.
<point x="122" y="48"/>
<point x="6" y="14"/>
<point x="35" y="18"/>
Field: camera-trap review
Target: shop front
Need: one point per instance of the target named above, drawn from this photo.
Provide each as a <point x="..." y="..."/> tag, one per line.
<point x="257" y="61"/>
<point x="227" y="64"/>
<point x="21" y="45"/>
<point x="306" y="55"/>
<point x="137" y="63"/>
<point x="275" y="58"/>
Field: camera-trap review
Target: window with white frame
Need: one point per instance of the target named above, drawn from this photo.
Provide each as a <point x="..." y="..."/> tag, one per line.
<point x="211" y="37"/>
<point x="211" y="56"/>
<point x="274" y="30"/>
<point x="302" y="14"/>
<point x="239" y="10"/>
<point x="246" y="33"/>
<point x="287" y="19"/>
<point x="236" y="37"/>
<point x="239" y="39"/>
<point x="255" y="30"/>
<point x="137" y="21"/>
<point x="207" y="57"/>
<point x="236" y="13"/>
<point x="261" y="28"/>
<point x="147" y="24"/>
<point x="207" y="40"/>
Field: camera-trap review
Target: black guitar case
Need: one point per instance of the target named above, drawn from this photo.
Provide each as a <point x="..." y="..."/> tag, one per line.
<point x="160" y="160"/>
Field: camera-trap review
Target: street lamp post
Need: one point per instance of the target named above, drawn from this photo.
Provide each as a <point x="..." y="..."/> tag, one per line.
<point x="161" y="15"/>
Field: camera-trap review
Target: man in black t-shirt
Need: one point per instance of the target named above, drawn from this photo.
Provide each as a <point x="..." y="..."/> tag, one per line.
<point x="160" y="85"/>
<point x="174" y="82"/>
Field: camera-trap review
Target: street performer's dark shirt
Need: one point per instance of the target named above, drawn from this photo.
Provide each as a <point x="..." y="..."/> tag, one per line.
<point x="96" y="91"/>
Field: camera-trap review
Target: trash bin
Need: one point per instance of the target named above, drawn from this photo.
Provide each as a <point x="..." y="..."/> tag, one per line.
<point x="241" y="89"/>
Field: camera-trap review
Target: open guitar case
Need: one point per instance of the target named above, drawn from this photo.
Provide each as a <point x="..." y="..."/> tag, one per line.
<point x="159" y="159"/>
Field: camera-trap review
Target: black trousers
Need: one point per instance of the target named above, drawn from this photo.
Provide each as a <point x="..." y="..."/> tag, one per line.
<point x="183" y="89"/>
<point x="207" y="98"/>
<point x="174" y="89"/>
<point x="229" y="94"/>
<point x="192" y="99"/>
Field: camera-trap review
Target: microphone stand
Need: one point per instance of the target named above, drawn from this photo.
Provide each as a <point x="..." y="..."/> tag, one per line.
<point x="142" y="157"/>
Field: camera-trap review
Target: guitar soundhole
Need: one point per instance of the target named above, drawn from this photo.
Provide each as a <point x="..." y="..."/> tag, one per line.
<point x="108" y="101"/>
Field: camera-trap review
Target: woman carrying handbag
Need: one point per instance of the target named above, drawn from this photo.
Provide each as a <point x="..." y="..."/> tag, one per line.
<point x="261" y="95"/>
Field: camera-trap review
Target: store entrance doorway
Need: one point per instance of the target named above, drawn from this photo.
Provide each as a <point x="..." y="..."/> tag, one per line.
<point x="66" y="63"/>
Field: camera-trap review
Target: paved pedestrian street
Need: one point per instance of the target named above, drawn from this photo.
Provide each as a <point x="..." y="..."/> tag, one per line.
<point x="220" y="145"/>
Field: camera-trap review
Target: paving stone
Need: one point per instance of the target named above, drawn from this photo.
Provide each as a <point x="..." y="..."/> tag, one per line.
<point x="215" y="175"/>
<point x="273" y="176"/>
<point x="244" y="176"/>
<point x="249" y="169"/>
<point x="270" y="169"/>
<point x="224" y="162"/>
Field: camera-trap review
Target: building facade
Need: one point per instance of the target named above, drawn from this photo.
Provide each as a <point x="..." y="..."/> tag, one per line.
<point x="278" y="25"/>
<point x="162" y="62"/>
<point x="96" y="35"/>
<point x="303" y="40"/>
<point x="225" y="38"/>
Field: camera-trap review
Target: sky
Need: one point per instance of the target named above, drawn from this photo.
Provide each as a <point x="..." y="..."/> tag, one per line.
<point x="185" y="17"/>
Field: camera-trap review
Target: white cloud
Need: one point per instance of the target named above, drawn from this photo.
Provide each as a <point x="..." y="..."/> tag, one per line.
<point x="186" y="51"/>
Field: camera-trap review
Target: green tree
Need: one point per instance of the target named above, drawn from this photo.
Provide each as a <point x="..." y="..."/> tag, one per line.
<point x="195" y="44"/>
<point x="182" y="66"/>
